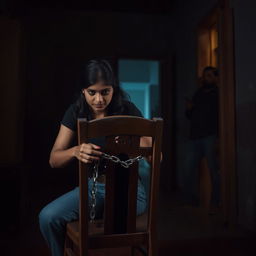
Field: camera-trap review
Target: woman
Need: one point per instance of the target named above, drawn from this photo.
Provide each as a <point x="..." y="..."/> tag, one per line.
<point x="100" y="96"/>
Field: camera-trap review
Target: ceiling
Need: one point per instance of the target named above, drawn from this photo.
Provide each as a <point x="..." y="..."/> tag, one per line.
<point x="133" y="6"/>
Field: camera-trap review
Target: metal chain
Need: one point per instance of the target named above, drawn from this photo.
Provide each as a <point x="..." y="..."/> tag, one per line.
<point x="126" y="163"/>
<point x="115" y="159"/>
<point x="94" y="191"/>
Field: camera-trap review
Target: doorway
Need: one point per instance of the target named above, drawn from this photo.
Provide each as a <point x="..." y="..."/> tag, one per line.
<point x="140" y="80"/>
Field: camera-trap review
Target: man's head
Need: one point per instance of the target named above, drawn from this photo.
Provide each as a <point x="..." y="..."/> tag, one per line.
<point x="210" y="75"/>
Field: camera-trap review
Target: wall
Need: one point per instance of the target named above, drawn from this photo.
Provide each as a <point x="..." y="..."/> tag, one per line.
<point x="11" y="96"/>
<point x="245" y="55"/>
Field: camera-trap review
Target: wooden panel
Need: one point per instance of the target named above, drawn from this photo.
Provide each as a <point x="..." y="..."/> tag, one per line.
<point x="155" y="175"/>
<point x="121" y="188"/>
<point x="109" y="205"/>
<point x="120" y="126"/>
<point x="132" y="198"/>
<point x="83" y="194"/>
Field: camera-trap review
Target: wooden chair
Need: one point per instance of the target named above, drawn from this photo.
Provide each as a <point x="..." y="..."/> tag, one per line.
<point x="120" y="228"/>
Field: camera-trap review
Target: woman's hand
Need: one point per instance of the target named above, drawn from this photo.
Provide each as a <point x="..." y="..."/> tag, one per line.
<point x="62" y="153"/>
<point x="87" y="153"/>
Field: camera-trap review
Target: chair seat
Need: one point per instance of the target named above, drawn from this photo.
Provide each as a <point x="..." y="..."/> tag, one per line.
<point x="96" y="228"/>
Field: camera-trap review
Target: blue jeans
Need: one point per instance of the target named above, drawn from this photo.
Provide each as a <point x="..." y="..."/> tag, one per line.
<point x="54" y="216"/>
<point x="197" y="149"/>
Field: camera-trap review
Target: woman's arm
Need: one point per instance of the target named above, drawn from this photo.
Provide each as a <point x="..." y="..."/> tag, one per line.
<point x="62" y="153"/>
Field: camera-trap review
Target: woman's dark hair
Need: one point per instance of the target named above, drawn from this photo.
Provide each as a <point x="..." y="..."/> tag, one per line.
<point x="99" y="70"/>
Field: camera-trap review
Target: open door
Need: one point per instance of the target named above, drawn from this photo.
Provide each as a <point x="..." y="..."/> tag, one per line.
<point x="215" y="48"/>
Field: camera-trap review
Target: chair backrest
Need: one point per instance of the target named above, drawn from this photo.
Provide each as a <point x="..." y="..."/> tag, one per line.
<point x="121" y="183"/>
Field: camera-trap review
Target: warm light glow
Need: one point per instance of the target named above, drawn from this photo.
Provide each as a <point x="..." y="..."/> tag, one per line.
<point x="207" y="48"/>
<point x="214" y="46"/>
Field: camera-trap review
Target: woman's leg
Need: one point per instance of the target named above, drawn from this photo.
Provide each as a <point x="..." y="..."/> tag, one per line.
<point x="141" y="199"/>
<point x="54" y="217"/>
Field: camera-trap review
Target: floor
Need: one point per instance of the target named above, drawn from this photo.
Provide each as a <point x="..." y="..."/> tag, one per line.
<point x="182" y="230"/>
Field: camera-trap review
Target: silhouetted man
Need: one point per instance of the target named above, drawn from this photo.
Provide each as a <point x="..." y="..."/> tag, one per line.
<point x="202" y="112"/>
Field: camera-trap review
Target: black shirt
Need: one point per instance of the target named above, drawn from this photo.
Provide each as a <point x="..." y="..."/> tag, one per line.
<point x="204" y="114"/>
<point x="70" y="120"/>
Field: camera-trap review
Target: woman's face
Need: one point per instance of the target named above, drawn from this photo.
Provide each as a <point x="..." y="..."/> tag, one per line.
<point x="98" y="97"/>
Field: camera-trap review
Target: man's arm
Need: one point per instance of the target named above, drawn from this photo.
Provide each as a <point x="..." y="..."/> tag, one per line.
<point x="189" y="107"/>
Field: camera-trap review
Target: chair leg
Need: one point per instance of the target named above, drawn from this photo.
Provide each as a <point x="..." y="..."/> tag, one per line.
<point x="68" y="247"/>
<point x="141" y="250"/>
<point x="133" y="250"/>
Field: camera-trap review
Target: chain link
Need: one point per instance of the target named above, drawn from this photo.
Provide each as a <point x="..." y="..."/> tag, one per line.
<point x="126" y="163"/>
<point x="115" y="159"/>
<point x="94" y="191"/>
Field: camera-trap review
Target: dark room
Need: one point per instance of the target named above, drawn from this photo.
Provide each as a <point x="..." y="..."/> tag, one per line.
<point x="128" y="127"/>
